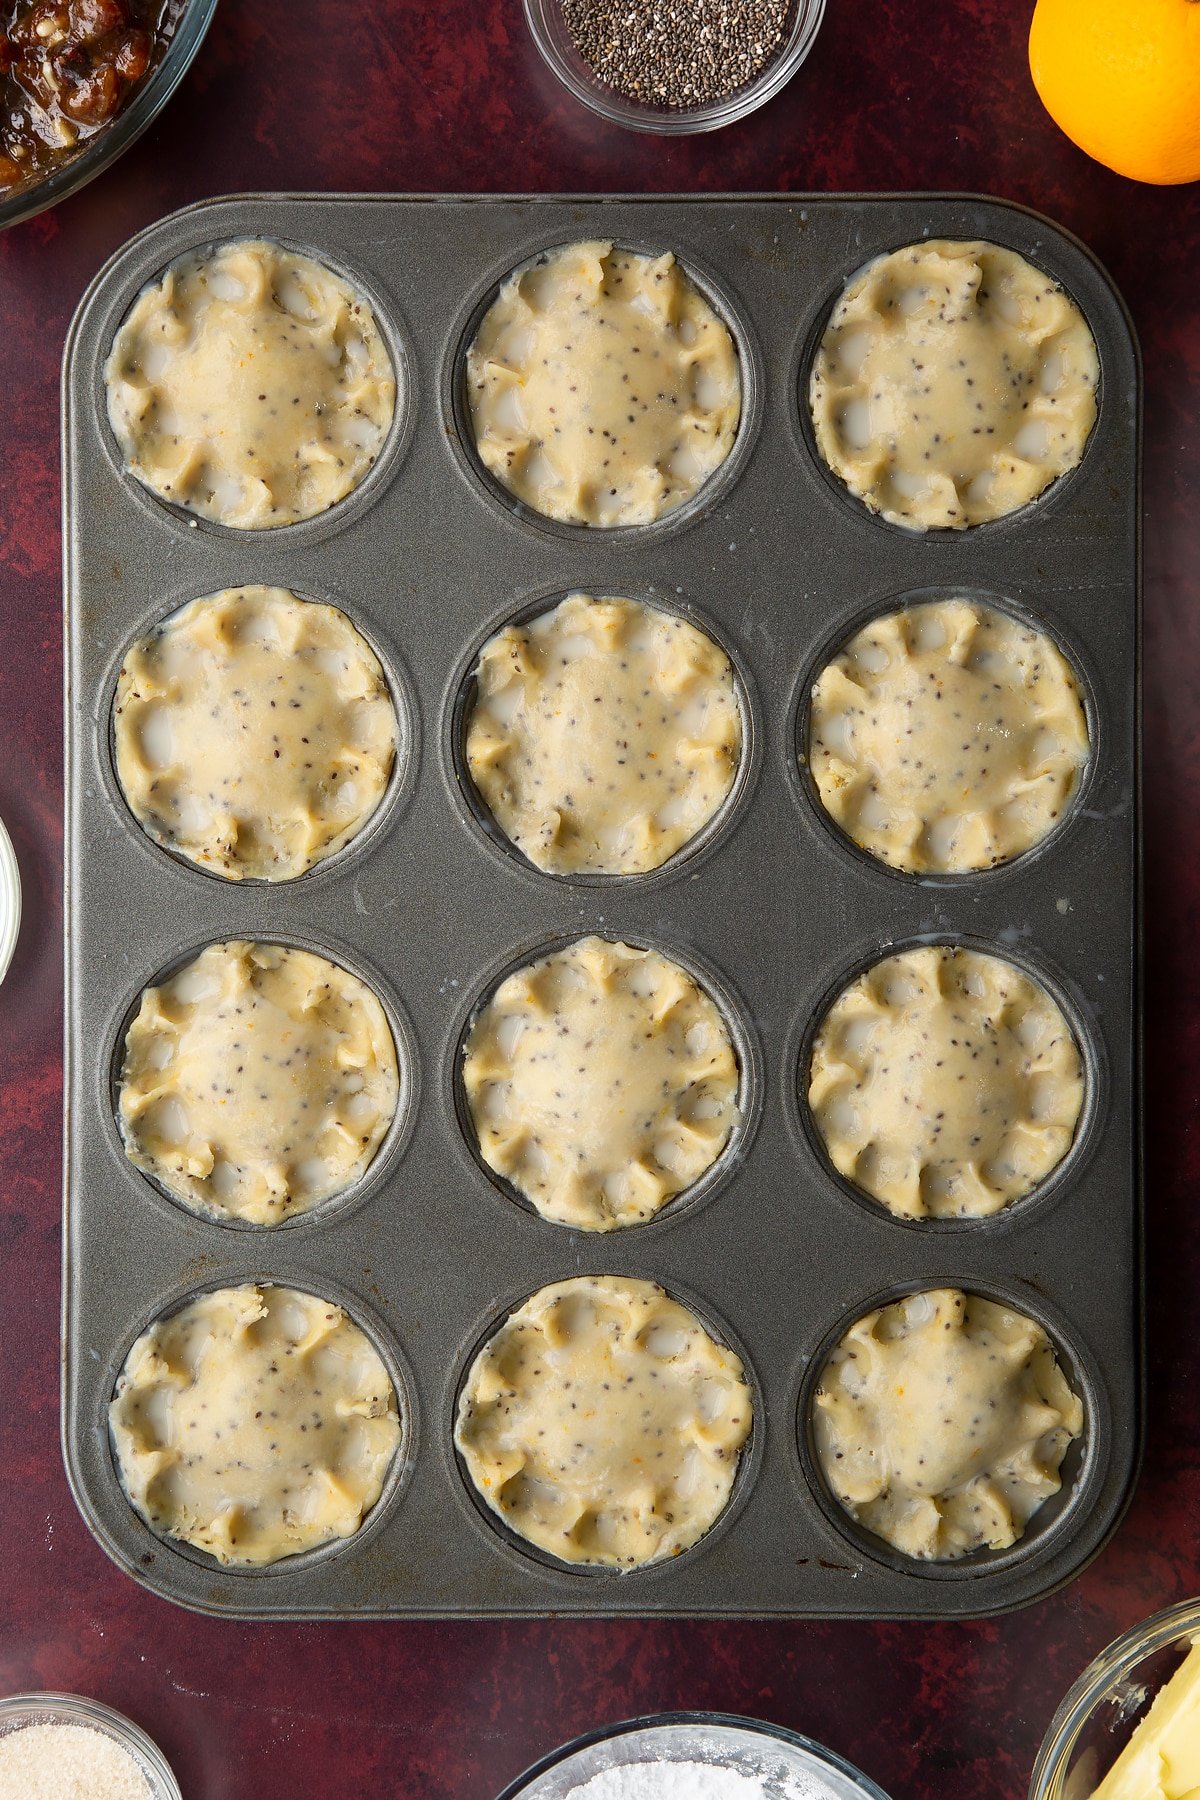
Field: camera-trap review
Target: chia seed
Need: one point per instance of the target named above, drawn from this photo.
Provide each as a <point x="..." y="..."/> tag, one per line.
<point x="676" y="53"/>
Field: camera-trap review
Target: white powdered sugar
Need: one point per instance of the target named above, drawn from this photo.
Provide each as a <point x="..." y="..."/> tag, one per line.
<point x="692" y="1781"/>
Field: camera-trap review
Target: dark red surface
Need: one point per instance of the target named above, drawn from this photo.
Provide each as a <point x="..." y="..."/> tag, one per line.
<point x="381" y="94"/>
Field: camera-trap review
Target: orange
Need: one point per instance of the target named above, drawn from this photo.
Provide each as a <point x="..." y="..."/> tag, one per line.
<point x="1122" y="79"/>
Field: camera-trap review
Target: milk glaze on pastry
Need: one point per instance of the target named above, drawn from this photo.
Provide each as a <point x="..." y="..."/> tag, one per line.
<point x="604" y="734"/>
<point x="257" y="1082"/>
<point x="603" y="1423"/>
<point x="603" y="388"/>
<point x="948" y="736"/>
<point x="254" y="733"/>
<point x="945" y="1083"/>
<point x="953" y="384"/>
<point x="250" y="385"/>
<point x="941" y="1422"/>
<point x="254" y="1423"/>
<point x="601" y="1081"/>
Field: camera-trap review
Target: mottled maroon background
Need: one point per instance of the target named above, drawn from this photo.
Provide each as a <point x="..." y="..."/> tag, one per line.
<point x="388" y="94"/>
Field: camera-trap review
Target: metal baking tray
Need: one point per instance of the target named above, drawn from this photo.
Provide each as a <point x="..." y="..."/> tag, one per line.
<point x="773" y="908"/>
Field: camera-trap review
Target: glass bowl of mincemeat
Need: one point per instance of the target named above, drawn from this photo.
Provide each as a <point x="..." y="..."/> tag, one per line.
<point x="1132" y="1720"/>
<point x="673" y="70"/>
<point x="80" y="80"/>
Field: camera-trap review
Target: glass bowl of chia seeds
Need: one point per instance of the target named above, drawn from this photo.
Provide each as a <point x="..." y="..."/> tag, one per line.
<point x="673" y="66"/>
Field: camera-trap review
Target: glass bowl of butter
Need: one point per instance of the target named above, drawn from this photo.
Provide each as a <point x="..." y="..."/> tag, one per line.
<point x="1129" y="1729"/>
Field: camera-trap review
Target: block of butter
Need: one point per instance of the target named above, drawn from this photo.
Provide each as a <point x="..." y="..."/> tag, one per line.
<point x="1161" y="1761"/>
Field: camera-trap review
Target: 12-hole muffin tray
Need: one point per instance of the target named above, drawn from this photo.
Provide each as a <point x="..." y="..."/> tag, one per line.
<point x="772" y="907"/>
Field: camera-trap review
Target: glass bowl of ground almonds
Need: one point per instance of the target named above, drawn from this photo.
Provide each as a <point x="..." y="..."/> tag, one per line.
<point x="55" y="1746"/>
<point x="674" y="65"/>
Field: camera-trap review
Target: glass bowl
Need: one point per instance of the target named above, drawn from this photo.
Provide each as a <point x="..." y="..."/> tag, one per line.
<point x="1098" y="1716"/>
<point x="76" y="1709"/>
<point x="10" y="900"/>
<point x="550" y="34"/>
<point x="144" y="107"/>
<point x="721" y="1739"/>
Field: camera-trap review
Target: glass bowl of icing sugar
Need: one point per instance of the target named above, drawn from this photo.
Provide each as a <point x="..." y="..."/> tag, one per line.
<point x="692" y="1756"/>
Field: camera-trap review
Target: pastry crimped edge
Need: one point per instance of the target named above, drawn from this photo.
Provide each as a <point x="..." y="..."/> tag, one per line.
<point x="185" y="1176"/>
<point x="830" y="1075"/>
<point x="223" y="1536"/>
<point x="937" y="1527"/>
<point x="515" y="657"/>
<point x="130" y="395"/>
<point x="508" y="455"/>
<point x="986" y="839"/>
<point x="485" y="1395"/>
<point x="579" y="1200"/>
<point x="210" y="620"/>
<point x="947" y="508"/>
